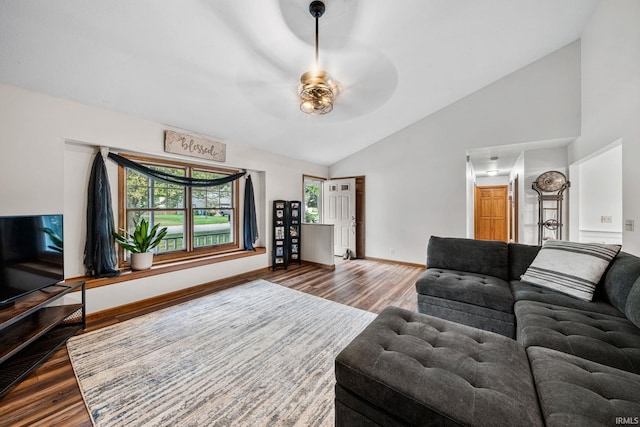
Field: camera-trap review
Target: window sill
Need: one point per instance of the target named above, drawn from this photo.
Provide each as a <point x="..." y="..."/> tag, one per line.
<point x="126" y="275"/>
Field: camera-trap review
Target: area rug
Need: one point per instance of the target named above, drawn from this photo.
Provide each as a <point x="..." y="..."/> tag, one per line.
<point x="255" y="355"/>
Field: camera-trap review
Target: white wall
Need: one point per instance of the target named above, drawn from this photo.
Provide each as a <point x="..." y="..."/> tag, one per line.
<point x="32" y="160"/>
<point x="43" y="171"/>
<point x="601" y="196"/>
<point x="488" y="181"/>
<point x="596" y="191"/>
<point x="611" y="98"/>
<point x="416" y="178"/>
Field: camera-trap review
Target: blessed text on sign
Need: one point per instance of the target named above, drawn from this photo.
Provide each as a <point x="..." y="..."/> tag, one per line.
<point x="179" y="143"/>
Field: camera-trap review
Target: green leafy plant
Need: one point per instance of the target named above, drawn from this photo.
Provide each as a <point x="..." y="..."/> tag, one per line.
<point x="143" y="238"/>
<point x="55" y="239"/>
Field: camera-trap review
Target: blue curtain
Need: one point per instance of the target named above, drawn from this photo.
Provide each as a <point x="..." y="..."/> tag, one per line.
<point x="172" y="179"/>
<point x="100" y="256"/>
<point x="249" y="220"/>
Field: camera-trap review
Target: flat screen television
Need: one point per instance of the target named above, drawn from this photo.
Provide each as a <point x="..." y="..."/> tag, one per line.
<point x="31" y="255"/>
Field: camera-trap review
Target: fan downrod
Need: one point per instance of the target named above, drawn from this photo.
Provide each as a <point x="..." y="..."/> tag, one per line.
<point x="316" y="8"/>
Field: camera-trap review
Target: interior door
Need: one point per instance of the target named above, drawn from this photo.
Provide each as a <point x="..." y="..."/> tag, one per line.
<point x="491" y="219"/>
<point x="339" y="202"/>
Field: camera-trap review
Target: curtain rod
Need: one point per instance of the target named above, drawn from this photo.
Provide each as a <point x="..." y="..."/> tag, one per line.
<point x="102" y="148"/>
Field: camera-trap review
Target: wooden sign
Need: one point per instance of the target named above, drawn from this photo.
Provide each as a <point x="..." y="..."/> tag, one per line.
<point x="187" y="145"/>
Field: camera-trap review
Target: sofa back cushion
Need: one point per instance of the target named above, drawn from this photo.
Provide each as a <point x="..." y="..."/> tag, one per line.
<point x="488" y="257"/>
<point x="632" y="309"/>
<point x="520" y="258"/>
<point x="620" y="278"/>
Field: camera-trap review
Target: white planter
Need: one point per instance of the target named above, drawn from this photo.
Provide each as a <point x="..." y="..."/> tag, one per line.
<point x="141" y="261"/>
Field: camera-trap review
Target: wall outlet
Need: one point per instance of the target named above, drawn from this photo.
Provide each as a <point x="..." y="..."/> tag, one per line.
<point x="392" y="251"/>
<point x="628" y="225"/>
<point x="605" y="219"/>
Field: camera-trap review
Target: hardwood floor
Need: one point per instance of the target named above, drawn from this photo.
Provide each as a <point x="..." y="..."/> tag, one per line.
<point x="50" y="395"/>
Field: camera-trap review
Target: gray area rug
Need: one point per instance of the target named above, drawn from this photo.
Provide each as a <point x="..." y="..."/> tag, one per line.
<point x="255" y="355"/>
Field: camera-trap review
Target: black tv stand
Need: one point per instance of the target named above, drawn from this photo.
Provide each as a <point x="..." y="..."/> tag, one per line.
<point x="32" y="328"/>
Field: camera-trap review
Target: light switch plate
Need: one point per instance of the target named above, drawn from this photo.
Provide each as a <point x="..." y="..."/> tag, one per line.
<point x="628" y="225"/>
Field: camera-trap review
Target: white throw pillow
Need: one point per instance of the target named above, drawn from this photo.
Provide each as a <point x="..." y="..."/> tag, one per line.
<point x="570" y="268"/>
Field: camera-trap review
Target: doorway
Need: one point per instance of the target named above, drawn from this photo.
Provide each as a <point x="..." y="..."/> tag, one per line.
<point x="343" y="201"/>
<point x="491" y="213"/>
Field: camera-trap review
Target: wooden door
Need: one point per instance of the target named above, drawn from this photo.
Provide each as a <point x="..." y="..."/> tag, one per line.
<point x="491" y="220"/>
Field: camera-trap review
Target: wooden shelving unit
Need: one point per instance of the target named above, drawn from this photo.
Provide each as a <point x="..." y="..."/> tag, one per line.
<point x="34" y="327"/>
<point x="287" y="219"/>
<point x="280" y="252"/>
<point x="294" y="214"/>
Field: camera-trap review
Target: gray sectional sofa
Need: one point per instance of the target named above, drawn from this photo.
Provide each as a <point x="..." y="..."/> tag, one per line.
<point x="490" y="349"/>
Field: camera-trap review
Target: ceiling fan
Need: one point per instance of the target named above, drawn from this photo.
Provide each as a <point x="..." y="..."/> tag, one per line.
<point x="274" y="79"/>
<point x="318" y="88"/>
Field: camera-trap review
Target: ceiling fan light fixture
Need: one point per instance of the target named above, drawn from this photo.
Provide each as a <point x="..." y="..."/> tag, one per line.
<point x="316" y="93"/>
<point x="317" y="90"/>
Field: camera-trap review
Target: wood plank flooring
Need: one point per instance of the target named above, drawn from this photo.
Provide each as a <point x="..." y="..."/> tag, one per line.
<point x="50" y="395"/>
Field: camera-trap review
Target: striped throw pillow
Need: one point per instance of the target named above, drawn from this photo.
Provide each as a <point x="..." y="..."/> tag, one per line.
<point x="570" y="268"/>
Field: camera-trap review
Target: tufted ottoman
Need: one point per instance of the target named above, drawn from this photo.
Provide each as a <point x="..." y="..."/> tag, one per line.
<point x="581" y="393"/>
<point x="409" y="368"/>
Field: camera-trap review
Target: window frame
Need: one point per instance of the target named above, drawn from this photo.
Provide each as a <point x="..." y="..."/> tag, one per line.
<point x="190" y="252"/>
<point x="320" y="194"/>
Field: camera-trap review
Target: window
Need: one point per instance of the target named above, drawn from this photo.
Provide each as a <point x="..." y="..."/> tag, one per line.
<point x="312" y="190"/>
<point x="200" y="221"/>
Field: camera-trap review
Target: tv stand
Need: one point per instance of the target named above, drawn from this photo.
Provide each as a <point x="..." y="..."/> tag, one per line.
<point x="53" y="290"/>
<point x="34" y="327"/>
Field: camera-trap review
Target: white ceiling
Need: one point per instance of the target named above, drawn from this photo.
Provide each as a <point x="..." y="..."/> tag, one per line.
<point x="230" y="69"/>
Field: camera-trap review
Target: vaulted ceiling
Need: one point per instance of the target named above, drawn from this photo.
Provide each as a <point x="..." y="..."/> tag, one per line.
<point x="231" y="69"/>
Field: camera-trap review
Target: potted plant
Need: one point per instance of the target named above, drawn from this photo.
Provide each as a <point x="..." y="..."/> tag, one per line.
<point x="141" y="242"/>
